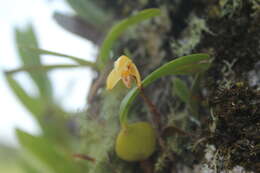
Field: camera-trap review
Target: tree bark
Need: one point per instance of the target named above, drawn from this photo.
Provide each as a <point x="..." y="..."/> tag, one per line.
<point x="228" y="30"/>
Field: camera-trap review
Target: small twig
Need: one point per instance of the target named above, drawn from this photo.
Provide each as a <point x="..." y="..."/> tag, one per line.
<point x="84" y="157"/>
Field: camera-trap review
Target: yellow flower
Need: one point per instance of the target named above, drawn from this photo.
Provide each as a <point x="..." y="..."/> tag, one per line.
<point x="124" y="69"/>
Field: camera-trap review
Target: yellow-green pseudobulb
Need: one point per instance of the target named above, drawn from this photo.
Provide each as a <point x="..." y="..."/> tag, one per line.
<point x="136" y="142"/>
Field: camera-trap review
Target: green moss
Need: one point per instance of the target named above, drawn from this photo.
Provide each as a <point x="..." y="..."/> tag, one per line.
<point x="191" y="36"/>
<point x="236" y="134"/>
<point x="229" y="7"/>
<point x="99" y="132"/>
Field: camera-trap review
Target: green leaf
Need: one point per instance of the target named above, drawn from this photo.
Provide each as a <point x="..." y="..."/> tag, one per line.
<point x="27" y="38"/>
<point x="90" y="12"/>
<point x="33" y="105"/>
<point x="76" y="25"/>
<point x="51" y="118"/>
<point x="73" y="58"/>
<point x="119" y="28"/>
<point x="181" y="90"/>
<point x="45" y="152"/>
<point x="42" y="68"/>
<point x="180" y="65"/>
<point x="55" y="128"/>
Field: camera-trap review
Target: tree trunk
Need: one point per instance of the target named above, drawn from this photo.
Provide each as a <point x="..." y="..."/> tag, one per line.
<point x="223" y="114"/>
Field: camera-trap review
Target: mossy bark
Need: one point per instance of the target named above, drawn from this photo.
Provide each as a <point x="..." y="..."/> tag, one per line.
<point x="228" y="30"/>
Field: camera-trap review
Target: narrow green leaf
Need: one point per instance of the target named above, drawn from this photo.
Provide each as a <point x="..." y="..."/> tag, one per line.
<point x="47" y="52"/>
<point x="119" y="28"/>
<point x="44" y="151"/>
<point x="181" y="90"/>
<point x="33" y="105"/>
<point x="43" y="68"/>
<point x="193" y="68"/>
<point x="55" y="128"/>
<point x="27" y="38"/>
<point x="183" y="65"/>
<point x="180" y="65"/>
<point x="90" y="12"/>
<point x="76" y="25"/>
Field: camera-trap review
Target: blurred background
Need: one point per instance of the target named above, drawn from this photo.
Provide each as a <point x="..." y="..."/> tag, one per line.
<point x="35" y="17"/>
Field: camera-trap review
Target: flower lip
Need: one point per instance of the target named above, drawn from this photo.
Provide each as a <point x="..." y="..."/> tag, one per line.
<point x="123" y="69"/>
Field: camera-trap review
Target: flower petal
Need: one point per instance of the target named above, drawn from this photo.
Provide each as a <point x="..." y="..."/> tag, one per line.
<point x="135" y="73"/>
<point x="112" y="79"/>
<point x="121" y="64"/>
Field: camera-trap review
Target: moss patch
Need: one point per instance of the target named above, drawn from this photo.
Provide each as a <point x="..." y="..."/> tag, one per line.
<point x="236" y="126"/>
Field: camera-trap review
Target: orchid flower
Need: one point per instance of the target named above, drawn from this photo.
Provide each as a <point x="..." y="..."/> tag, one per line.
<point x="125" y="70"/>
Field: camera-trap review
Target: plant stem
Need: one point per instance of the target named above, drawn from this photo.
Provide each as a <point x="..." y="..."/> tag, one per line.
<point x="157" y="115"/>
